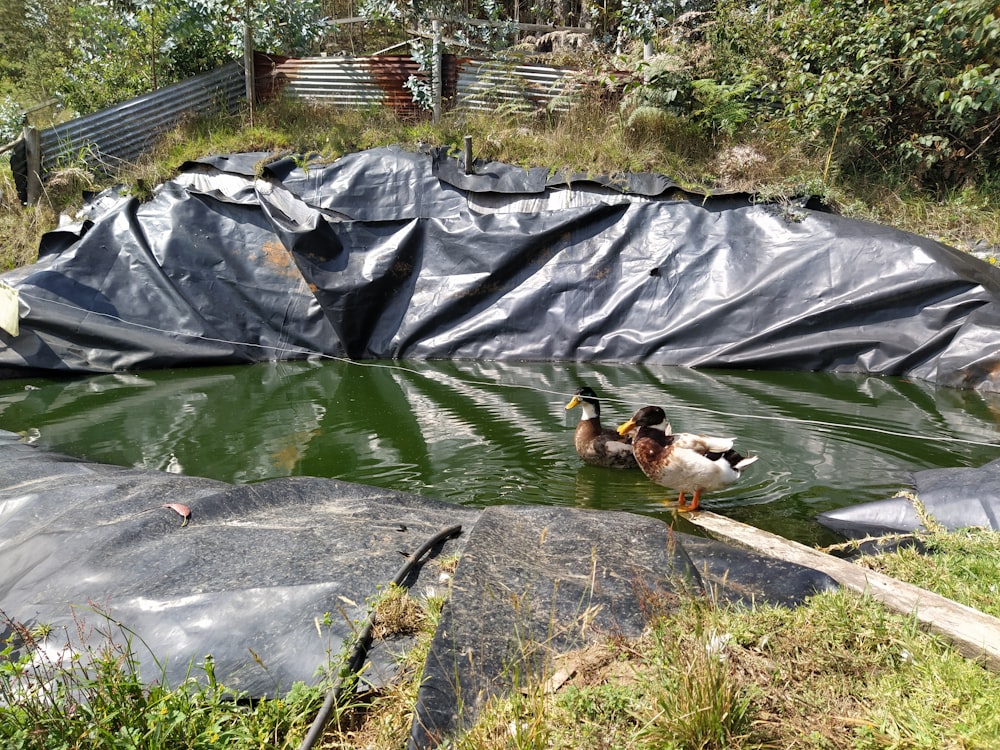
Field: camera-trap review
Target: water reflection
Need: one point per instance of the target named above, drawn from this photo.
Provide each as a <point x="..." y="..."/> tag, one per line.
<point x="482" y="433"/>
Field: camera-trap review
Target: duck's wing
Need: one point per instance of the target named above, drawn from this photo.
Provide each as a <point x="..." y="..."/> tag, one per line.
<point x="703" y="443"/>
<point x="609" y="443"/>
<point x="696" y="471"/>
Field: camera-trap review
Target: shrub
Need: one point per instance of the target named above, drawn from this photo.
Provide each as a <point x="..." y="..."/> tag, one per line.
<point x="909" y="85"/>
<point x="901" y="87"/>
<point x="11" y="119"/>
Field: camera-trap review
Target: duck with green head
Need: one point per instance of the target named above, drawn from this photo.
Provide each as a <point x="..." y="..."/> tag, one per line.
<point x="595" y="444"/>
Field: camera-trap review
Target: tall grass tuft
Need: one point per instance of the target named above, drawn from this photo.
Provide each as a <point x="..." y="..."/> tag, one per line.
<point x="21" y="227"/>
<point x="698" y="702"/>
<point x="53" y="695"/>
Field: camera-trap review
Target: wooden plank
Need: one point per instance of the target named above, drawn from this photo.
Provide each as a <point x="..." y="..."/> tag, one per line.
<point x="974" y="634"/>
<point x="33" y="153"/>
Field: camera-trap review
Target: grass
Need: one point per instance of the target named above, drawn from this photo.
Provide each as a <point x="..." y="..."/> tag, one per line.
<point x="839" y="672"/>
<point x="964" y="566"/>
<point x="51" y="697"/>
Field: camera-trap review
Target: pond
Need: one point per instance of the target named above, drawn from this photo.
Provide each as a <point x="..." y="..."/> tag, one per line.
<point x="480" y="433"/>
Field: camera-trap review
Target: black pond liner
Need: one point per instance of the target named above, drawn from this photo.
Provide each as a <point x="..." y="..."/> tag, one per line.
<point x="952" y="498"/>
<point x="389" y="254"/>
<point x="272" y="578"/>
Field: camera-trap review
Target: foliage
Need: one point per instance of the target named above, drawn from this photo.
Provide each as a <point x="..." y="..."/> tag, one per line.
<point x="665" y="84"/>
<point x="456" y="25"/>
<point x="697" y="698"/>
<point x="11" y="119"/>
<point x="902" y="87"/>
<point x="912" y="85"/>
<point x="21" y="227"/>
<point x="91" y="54"/>
<point x="722" y="107"/>
<point x="34" y="45"/>
<point x="201" y="35"/>
<point x="640" y="20"/>
<point x="112" y="60"/>
<point x="616" y="24"/>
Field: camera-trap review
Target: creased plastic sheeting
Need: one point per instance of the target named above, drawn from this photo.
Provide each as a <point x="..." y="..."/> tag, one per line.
<point x="954" y="498"/>
<point x="186" y="279"/>
<point x="391" y="254"/>
<point x="271" y="579"/>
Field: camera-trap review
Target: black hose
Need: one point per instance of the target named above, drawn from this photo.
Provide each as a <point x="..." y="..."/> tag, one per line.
<point x="360" y="651"/>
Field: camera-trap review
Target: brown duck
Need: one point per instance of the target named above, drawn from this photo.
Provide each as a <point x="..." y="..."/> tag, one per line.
<point x="688" y="463"/>
<point x="596" y="445"/>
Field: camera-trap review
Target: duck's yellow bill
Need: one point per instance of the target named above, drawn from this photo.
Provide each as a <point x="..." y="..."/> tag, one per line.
<point x="626" y="427"/>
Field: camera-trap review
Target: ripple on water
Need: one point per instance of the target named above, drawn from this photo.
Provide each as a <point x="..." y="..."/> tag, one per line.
<point x="485" y="433"/>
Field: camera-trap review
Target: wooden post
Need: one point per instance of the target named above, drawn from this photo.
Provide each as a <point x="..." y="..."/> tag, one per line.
<point x="436" y="71"/>
<point x="975" y="634"/>
<point x="468" y="154"/>
<point x="33" y="155"/>
<point x="248" y="66"/>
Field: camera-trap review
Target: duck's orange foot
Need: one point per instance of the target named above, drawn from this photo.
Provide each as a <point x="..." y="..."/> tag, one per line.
<point x="693" y="506"/>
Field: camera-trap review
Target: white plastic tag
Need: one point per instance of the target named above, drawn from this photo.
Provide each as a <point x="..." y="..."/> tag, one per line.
<point x="8" y="309"/>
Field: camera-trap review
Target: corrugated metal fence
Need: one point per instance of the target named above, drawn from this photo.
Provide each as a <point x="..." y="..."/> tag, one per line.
<point x="123" y="132"/>
<point x="105" y="139"/>
<point x="488" y="85"/>
<point x="349" y="82"/>
<point x="379" y="81"/>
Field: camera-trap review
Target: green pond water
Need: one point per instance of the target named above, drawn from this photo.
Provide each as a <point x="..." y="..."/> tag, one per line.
<point x="484" y="433"/>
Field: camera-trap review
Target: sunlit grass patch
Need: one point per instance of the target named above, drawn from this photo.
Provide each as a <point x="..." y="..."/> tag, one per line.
<point x="963" y="565"/>
<point x="54" y="697"/>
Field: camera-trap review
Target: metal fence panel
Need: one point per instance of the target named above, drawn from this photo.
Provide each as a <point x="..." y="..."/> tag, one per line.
<point x="487" y="85"/>
<point x="358" y="82"/>
<point x="349" y="82"/>
<point x="124" y="132"/>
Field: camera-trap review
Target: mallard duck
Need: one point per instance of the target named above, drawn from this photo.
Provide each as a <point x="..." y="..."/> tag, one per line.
<point x="596" y="445"/>
<point x="682" y="461"/>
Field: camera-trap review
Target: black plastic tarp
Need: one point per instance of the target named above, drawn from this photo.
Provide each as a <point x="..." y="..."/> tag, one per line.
<point x="273" y="579"/>
<point x="270" y="579"/>
<point x="393" y="254"/>
<point x="954" y="498"/>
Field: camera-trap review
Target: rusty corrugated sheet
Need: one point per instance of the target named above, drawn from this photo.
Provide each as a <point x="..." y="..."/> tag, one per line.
<point x="124" y="132"/>
<point x="349" y="82"/>
<point x="488" y="84"/>
<point x="358" y="82"/>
